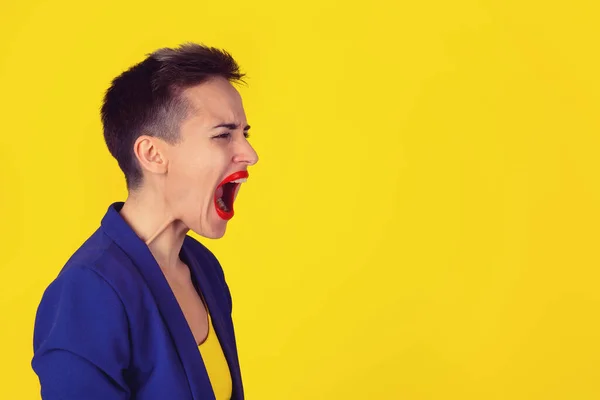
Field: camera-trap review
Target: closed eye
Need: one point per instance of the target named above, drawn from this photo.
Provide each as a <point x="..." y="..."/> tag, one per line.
<point x="226" y="135"/>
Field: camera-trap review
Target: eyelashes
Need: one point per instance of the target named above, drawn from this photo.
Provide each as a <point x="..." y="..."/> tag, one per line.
<point x="227" y="136"/>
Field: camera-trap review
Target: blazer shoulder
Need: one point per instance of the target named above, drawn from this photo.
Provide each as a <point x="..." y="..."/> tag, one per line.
<point x="88" y="264"/>
<point x="78" y="294"/>
<point x="102" y="255"/>
<point x="81" y="336"/>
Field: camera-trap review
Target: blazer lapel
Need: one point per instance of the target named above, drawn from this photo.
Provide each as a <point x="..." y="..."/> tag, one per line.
<point x="144" y="261"/>
<point x="223" y="333"/>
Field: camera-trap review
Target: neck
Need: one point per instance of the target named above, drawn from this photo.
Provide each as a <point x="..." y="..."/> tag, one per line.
<point x="150" y="218"/>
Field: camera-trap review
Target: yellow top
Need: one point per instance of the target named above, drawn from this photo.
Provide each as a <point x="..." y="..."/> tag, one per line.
<point x="216" y="364"/>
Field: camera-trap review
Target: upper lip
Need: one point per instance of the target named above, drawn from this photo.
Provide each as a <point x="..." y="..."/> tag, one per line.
<point x="236" y="175"/>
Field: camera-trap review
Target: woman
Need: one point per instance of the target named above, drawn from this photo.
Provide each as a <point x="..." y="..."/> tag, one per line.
<point x="142" y="310"/>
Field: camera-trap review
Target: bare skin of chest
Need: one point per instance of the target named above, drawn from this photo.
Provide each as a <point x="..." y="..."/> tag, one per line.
<point x="191" y="304"/>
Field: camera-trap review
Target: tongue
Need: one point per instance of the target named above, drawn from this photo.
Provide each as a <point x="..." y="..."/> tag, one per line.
<point x="219" y="192"/>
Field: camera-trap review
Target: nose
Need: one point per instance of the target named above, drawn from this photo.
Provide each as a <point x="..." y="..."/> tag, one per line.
<point x="245" y="153"/>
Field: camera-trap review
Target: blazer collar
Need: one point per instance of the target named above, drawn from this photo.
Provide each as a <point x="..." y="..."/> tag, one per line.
<point x="220" y="324"/>
<point x="122" y="234"/>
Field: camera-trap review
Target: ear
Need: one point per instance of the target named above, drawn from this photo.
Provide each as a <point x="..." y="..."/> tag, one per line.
<point x="150" y="153"/>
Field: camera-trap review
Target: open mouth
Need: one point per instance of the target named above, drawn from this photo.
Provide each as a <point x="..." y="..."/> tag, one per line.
<point x="225" y="193"/>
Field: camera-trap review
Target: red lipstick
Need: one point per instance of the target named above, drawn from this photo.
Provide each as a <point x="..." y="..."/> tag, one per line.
<point x="225" y="194"/>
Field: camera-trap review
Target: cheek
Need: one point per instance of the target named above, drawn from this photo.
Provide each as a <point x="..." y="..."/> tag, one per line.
<point x="196" y="170"/>
<point x="200" y="177"/>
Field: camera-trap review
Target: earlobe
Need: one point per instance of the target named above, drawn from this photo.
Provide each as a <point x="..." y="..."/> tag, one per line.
<point x="149" y="154"/>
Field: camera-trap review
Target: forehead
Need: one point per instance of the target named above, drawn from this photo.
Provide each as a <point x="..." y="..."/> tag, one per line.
<point x="216" y="100"/>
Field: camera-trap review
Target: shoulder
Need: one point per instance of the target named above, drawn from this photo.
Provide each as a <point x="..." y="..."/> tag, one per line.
<point x="86" y="270"/>
<point x="78" y="302"/>
<point x="101" y="257"/>
<point x="85" y="290"/>
<point x="81" y="336"/>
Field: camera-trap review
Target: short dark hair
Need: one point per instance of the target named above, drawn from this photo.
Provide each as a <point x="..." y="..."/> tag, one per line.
<point x="147" y="98"/>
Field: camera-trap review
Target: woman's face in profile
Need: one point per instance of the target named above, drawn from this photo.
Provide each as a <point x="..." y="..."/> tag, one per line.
<point x="213" y="149"/>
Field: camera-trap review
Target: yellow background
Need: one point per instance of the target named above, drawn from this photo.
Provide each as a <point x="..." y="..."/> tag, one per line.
<point x="423" y="222"/>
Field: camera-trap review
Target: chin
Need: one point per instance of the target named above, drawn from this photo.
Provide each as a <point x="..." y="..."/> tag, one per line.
<point x="211" y="230"/>
<point x="214" y="234"/>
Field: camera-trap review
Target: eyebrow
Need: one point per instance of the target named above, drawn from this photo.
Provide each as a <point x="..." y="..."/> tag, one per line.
<point x="230" y="126"/>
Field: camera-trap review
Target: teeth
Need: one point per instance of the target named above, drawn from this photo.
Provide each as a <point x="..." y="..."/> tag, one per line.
<point x="222" y="205"/>
<point x="241" y="180"/>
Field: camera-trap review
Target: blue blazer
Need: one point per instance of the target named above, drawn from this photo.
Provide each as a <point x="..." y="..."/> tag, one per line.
<point x="109" y="327"/>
